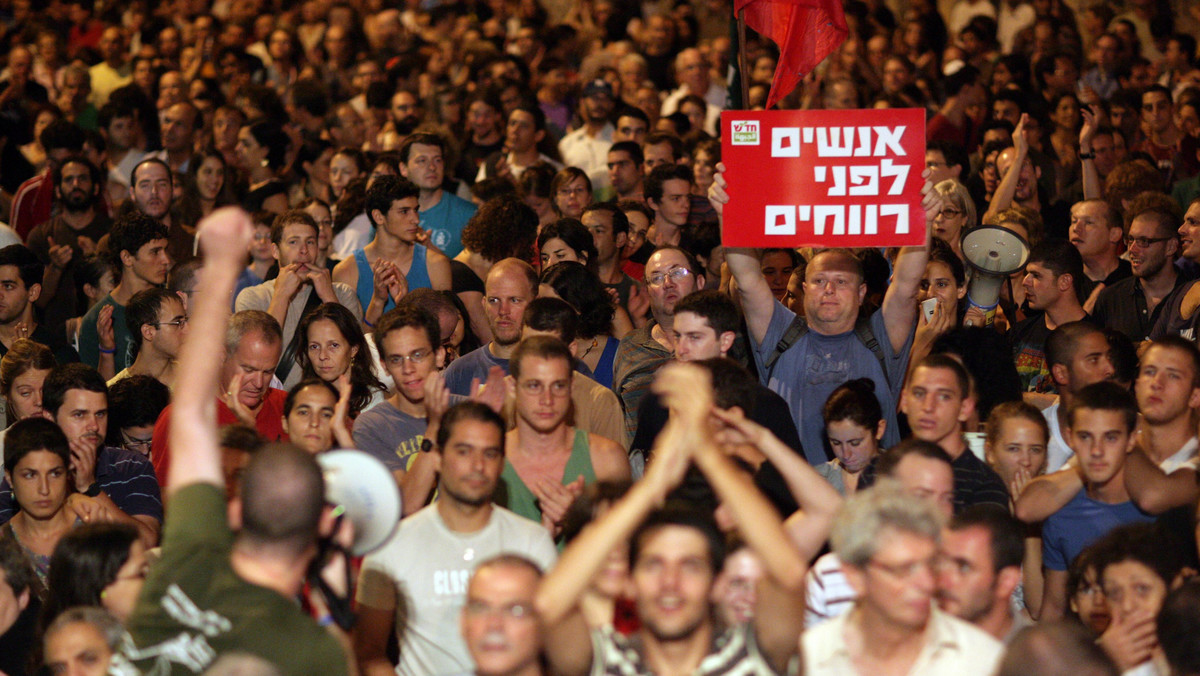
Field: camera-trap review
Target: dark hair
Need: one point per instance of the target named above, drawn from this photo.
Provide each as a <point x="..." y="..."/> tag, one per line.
<point x="283" y="494"/>
<point x="66" y="377"/>
<point x="574" y="235"/>
<point x="1178" y="626"/>
<point x="425" y="139"/>
<point x="34" y="434"/>
<point x="291" y="217"/>
<point x="940" y="252"/>
<point x="1058" y="647"/>
<point x="131" y="231"/>
<point x="504" y="227"/>
<point x="534" y="111"/>
<point x="554" y="315"/>
<point x="93" y="171"/>
<point x="143" y="308"/>
<point x="15" y="568"/>
<point x="1006" y="535"/>
<point x="565" y="176"/>
<point x="468" y="410"/>
<point x="987" y="356"/>
<point x="583" y="509"/>
<point x="890" y="459"/>
<point x="714" y="307"/>
<point x="583" y="290"/>
<point x="954" y="366"/>
<point x="620" y="222"/>
<point x="1161" y="207"/>
<point x="684" y="516"/>
<point x="270" y="135"/>
<point x="652" y="189"/>
<point x="1146" y="543"/>
<point x="1060" y="257"/>
<point x="536" y="181"/>
<point x="631" y="148"/>
<point x="854" y="400"/>
<point x="404" y="316"/>
<point x="1175" y="341"/>
<point x="85" y="561"/>
<point x="627" y="206"/>
<point x="1064" y="340"/>
<point x="29" y="266"/>
<point x="732" y="384"/>
<point x="189" y="203"/>
<point x="350" y="204"/>
<point x="62" y="135"/>
<point x="363" y="381"/>
<point x="659" y="137"/>
<point x="134" y="402"/>
<point x="385" y="190"/>
<point x="289" y="402"/>
<point x="1103" y="396"/>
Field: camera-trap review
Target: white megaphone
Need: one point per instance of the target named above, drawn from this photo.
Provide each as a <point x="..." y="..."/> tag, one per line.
<point x="993" y="253"/>
<point x="365" y="489"/>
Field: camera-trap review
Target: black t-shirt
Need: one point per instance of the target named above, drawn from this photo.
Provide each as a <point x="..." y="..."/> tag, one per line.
<point x="1087" y="286"/>
<point x="65" y="304"/>
<point x="463" y="278"/>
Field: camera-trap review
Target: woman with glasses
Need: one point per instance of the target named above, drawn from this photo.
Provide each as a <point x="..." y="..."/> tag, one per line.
<point x="330" y="344"/>
<point x="957" y="216"/>
<point x="571" y="191"/>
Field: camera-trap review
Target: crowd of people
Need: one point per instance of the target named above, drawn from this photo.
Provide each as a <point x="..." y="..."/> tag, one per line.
<point x="480" y="242"/>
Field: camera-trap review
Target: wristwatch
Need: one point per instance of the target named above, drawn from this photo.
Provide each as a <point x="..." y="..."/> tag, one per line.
<point x="1087" y="156"/>
<point x="93" y="490"/>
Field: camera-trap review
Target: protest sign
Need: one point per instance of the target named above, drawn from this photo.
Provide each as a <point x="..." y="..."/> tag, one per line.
<point x="849" y="178"/>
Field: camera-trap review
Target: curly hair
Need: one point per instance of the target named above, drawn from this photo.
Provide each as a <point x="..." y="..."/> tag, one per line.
<point x="583" y="290"/>
<point x="503" y="228"/>
<point x="1129" y="179"/>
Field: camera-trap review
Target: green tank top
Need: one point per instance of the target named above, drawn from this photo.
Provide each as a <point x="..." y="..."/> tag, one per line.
<point x="512" y="493"/>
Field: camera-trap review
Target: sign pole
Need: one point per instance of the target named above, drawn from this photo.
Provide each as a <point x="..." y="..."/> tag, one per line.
<point x="745" y="72"/>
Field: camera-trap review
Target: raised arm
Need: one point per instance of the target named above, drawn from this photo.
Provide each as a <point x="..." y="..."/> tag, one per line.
<point x="1008" y="183"/>
<point x="1153" y="490"/>
<point x="1092" y="187"/>
<point x="1048" y="493"/>
<point x="758" y="303"/>
<point x="224" y="236"/>
<point x="900" y="301"/>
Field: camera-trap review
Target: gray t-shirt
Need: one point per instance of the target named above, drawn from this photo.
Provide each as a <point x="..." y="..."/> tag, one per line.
<point x="816" y="364"/>
<point x="391" y="435"/>
<point x="424" y="569"/>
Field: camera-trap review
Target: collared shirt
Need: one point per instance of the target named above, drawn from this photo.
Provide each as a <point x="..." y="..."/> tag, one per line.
<point x="589" y="153"/>
<point x="1122" y="306"/>
<point x="952" y="648"/>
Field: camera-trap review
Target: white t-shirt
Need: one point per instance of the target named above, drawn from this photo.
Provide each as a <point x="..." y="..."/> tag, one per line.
<point x="430" y="566"/>
<point x="1057" y="450"/>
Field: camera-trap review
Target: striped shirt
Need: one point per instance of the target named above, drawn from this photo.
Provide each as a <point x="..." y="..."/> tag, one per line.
<point x="734" y="653"/>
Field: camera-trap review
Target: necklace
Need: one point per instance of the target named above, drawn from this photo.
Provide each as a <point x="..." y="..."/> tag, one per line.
<point x="589" y="350"/>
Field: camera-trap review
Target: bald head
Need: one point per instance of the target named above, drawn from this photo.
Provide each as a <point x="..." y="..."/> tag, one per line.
<point x="510" y="285"/>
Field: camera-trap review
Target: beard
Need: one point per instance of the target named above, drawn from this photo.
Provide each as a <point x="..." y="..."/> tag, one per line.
<point x="77" y="201"/>
<point x="405" y="125"/>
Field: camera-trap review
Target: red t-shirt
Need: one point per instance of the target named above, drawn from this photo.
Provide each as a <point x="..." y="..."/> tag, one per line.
<point x="269" y="423"/>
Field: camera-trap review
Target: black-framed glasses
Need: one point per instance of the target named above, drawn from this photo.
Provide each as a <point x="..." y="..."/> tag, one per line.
<point x="1144" y="242"/>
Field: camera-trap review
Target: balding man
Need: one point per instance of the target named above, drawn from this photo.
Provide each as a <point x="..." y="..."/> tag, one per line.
<point x="691" y="72"/>
<point x="179" y="124"/>
<point x="509" y="287"/>
<point x="114" y="71"/>
<point x="499" y="622"/>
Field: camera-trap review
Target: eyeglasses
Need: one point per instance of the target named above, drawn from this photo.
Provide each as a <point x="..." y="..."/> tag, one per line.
<point x="558" y="388"/>
<point x="949" y="213"/>
<point x="1143" y="242"/>
<point x="414" y="358"/>
<point x="677" y="275"/>
<point x="135" y="443"/>
<point x="513" y="611"/>
<point x="907" y="571"/>
<point x="177" y="323"/>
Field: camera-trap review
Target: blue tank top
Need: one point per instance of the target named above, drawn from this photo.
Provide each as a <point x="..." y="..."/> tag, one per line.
<point x="418" y="276"/>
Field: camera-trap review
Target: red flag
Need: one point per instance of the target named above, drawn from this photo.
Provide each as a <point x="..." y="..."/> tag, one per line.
<point x="806" y="31"/>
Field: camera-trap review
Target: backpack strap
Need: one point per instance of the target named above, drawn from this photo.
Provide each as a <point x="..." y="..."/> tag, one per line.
<point x="794" y="331"/>
<point x="866" y="336"/>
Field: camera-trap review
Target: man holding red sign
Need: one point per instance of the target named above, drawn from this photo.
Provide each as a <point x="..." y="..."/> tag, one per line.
<point x="805" y="361"/>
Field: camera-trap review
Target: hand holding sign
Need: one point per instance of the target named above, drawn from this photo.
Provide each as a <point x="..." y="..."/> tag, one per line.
<point x="822" y="178"/>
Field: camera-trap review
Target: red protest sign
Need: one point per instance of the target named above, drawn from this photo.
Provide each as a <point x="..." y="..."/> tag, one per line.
<point x="825" y="178"/>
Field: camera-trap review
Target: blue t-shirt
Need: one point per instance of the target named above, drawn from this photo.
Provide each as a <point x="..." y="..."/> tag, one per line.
<point x="1081" y="522"/>
<point x="445" y="222"/>
<point x="476" y="364"/>
<point x="816" y="364"/>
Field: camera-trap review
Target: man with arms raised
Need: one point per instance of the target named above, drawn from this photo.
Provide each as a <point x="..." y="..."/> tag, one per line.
<point x="675" y="556"/>
<point x="213" y="591"/>
<point x="888" y="545"/>
<point x="421" y="573"/>
<point x="548" y="461"/>
<point x="442" y="214"/>
<point x="671" y="274"/>
<point x="299" y="287"/>
<point x="982" y="551"/>
<point x="510" y="285"/>
<point x="395" y="261"/>
<point x="805" y="360"/>
<point x="499" y="623"/>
